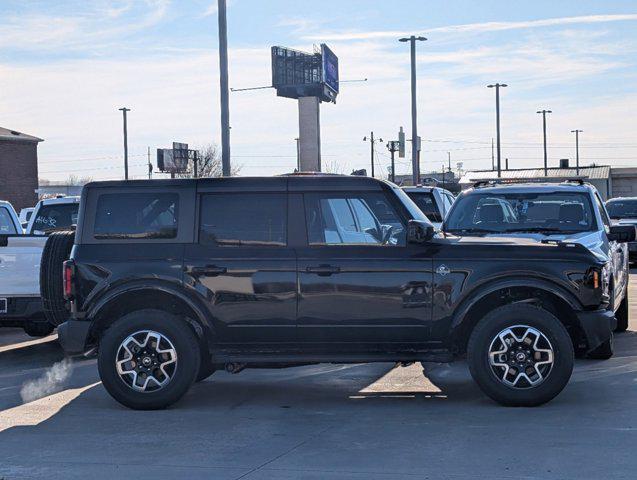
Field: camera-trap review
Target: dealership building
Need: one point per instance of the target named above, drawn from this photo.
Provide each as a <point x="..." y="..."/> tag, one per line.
<point x="19" y="167"/>
<point x="609" y="181"/>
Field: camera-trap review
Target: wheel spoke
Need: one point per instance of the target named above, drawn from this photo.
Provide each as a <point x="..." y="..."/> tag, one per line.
<point x="146" y="361"/>
<point x="521" y="356"/>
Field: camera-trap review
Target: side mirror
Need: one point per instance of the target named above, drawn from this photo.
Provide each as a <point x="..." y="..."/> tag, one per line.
<point x="621" y="233"/>
<point x="419" y="232"/>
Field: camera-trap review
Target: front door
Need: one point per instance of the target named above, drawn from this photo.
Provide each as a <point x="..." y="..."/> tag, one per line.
<point x="360" y="284"/>
<point x="243" y="268"/>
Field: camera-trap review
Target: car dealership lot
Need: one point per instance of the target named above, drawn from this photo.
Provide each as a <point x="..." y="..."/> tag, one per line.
<point x="318" y="422"/>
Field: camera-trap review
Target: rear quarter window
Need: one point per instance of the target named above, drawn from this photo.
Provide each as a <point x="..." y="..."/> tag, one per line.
<point x="136" y="216"/>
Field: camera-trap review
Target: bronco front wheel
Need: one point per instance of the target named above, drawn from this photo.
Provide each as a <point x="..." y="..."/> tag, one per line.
<point x="148" y="359"/>
<point x="520" y="355"/>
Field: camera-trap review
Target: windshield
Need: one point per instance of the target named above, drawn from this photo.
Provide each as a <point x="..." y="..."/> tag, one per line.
<point x="521" y="212"/>
<point x="425" y="201"/>
<point x="622" y="208"/>
<point x="55" y="216"/>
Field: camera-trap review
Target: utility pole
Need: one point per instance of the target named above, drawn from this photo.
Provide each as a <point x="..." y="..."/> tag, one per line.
<point x="124" y="110"/>
<point x="372" y="141"/>
<point x="544" y="112"/>
<point x="577" y="132"/>
<point x="150" y="166"/>
<point x="393" y="146"/>
<point x="497" y="120"/>
<point x="415" y="157"/>
<point x="492" y="155"/>
<point x="449" y="158"/>
<point x="298" y="155"/>
<point x="195" y="163"/>
<point x="223" y="84"/>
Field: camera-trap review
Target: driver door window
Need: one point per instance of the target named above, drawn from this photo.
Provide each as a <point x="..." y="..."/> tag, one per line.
<point x="352" y="219"/>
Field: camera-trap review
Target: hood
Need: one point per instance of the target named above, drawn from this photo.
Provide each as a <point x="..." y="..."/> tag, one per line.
<point x="595" y="242"/>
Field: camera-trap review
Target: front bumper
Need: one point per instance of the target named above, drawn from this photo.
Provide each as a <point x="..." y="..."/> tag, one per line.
<point x="598" y="326"/>
<point x="73" y="336"/>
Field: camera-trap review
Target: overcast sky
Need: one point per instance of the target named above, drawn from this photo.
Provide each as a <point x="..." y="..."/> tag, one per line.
<point x="67" y="66"/>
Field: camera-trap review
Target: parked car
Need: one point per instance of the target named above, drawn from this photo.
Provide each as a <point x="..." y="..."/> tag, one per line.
<point x="170" y="280"/>
<point x="569" y="213"/>
<point x="623" y="211"/>
<point x="51" y="214"/>
<point x="9" y="222"/>
<point x="434" y="202"/>
<point x="25" y="216"/>
<point x="21" y="256"/>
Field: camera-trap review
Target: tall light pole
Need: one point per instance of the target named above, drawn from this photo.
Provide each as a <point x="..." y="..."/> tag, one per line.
<point x="124" y="110"/>
<point x="372" y="141"/>
<point x="577" y="132"/>
<point x="544" y="112"/>
<point x="223" y="84"/>
<point x="415" y="166"/>
<point x="497" y="121"/>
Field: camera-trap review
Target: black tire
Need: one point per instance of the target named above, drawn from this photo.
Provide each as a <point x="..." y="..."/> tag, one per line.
<point x="549" y="326"/>
<point x="622" y="315"/>
<point x="56" y="250"/>
<point x="38" y="329"/>
<point x="169" y="326"/>
<point x="604" y="351"/>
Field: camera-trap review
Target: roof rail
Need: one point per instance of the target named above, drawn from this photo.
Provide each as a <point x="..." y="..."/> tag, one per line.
<point x="579" y="181"/>
<point x="485" y="183"/>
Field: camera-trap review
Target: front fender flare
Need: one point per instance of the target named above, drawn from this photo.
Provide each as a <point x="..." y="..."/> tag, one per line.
<point x="482" y="290"/>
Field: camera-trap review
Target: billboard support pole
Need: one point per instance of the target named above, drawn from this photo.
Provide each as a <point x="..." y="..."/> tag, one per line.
<point x="309" y="134"/>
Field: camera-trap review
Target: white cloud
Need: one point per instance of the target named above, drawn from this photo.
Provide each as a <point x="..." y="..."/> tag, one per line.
<point x="473" y="27"/>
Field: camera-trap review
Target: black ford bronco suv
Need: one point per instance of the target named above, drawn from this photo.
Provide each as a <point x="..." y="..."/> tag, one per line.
<point x="170" y="280"/>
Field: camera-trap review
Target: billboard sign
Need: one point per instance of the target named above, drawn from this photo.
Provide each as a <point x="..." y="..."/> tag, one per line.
<point x="329" y="68"/>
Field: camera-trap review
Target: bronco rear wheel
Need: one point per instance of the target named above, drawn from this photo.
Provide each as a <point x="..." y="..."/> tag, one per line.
<point x="148" y="359"/>
<point x="520" y="355"/>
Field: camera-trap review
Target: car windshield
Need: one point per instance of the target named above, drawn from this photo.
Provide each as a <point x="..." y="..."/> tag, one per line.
<point x="550" y="212"/>
<point x="55" y="216"/>
<point x="622" y="208"/>
<point x="427" y="204"/>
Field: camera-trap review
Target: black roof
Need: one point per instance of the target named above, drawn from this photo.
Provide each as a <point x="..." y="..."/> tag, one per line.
<point x="283" y="182"/>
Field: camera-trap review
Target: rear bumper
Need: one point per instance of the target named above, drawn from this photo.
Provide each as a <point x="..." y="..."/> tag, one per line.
<point x="21" y="309"/>
<point x="73" y="336"/>
<point x="598" y="326"/>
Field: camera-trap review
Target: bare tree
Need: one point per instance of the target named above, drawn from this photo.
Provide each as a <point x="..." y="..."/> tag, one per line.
<point x="332" y="166"/>
<point x="75" y="180"/>
<point x="208" y="164"/>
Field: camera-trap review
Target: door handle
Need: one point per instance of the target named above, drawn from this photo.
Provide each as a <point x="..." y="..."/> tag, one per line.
<point x="208" y="270"/>
<point x="323" y="270"/>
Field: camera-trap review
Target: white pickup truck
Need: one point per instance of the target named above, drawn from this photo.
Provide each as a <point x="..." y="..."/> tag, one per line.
<point x="20" y="257"/>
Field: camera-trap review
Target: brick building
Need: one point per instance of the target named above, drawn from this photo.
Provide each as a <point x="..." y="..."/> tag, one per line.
<point x="18" y="168"/>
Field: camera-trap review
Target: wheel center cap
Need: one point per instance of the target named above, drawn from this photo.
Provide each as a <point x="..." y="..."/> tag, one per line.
<point x="146" y="361"/>
<point x="520" y="357"/>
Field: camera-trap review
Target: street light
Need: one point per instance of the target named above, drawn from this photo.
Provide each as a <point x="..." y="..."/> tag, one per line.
<point x="497" y="119"/>
<point x="544" y="112"/>
<point x="415" y="165"/>
<point x="577" y="132"/>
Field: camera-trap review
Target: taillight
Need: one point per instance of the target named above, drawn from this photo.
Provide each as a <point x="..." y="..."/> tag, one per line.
<point x="68" y="271"/>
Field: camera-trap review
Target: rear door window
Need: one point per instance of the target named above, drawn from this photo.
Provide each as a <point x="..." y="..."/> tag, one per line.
<point x="243" y="219"/>
<point x="136" y="216"/>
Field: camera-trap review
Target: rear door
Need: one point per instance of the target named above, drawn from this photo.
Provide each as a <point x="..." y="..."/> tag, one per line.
<point x="241" y="263"/>
<point x="360" y="284"/>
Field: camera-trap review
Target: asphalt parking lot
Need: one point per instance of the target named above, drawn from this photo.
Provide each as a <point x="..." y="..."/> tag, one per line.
<point x="370" y="421"/>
